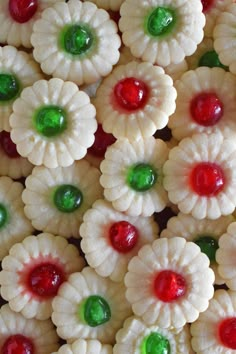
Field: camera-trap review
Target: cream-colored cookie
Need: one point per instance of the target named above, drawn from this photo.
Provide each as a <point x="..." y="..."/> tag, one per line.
<point x="82" y="346"/>
<point x="113" y="5"/>
<point x="212" y="9"/>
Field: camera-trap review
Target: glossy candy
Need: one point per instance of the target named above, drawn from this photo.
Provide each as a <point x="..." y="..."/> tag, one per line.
<point x="9" y="87"/>
<point x="3" y="215"/>
<point x="155" y="343"/>
<point x="102" y="141"/>
<point x="7" y="145"/>
<point x="211" y="60"/>
<point x="208" y="245"/>
<point x="206" y="109"/>
<point x="227" y="332"/>
<point x="67" y="198"/>
<point x="50" y="121"/>
<point x="161" y="21"/>
<point x="123" y="236"/>
<point x="96" y="311"/>
<point x="17" y="344"/>
<point x="141" y="177"/>
<point x="169" y="286"/>
<point x="22" y="10"/>
<point x="77" y="39"/>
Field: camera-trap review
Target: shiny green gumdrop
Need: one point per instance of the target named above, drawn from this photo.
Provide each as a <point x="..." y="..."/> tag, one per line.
<point x="211" y="59"/>
<point x="9" y="87"/>
<point x="77" y="39"/>
<point x="141" y="177"/>
<point x="96" y="311"/>
<point x="155" y="343"/>
<point x="161" y="21"/>
<point x="67" y="198"/>
<point x="208" y="245"/>
<point x="3" y="215"/>
<point x="50" y="120"/>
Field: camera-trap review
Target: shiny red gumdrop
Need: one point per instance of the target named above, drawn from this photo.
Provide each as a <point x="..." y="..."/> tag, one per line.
<point x="123" y="236"/>
<point x="169" y="286"/>
<point x="206" y="109"/>
<point x="227" y="332"/>
<point x="207" y="4"/>
<point x="101" y="142"/>
<point x="22" y="10"/>
<point x="7" y="145"/>
<point x="17" y="344"/>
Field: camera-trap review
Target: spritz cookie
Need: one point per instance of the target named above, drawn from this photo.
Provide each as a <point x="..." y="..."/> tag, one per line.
<point x="225" y="256"/>
<point x="135" y="100"/>
<point x="17" y="71"/>
<point x="162" y="32"/>
<point x="76" y="41"/>
<point x="33" y="272"/>
<point x="212" y="9"/>
<point x="12" y="164"/>
<point x="110" y="238"/>
<point x="14" y="226"/>
<point x="132" y="176"/>
<point x="90" y="307"/>
<point x="136" y="337"/>
<point x="205" y="233"/>
<point x="199" y="176"/>
<point x="214" y="330"/>
<point x="53" y="123"/>
<point x="169" y="283"/>
<point x="224" y="36"/>
<point x="206" y="103"/>
<point x="17" y="19"/>
<point x="19" y="335"/>
<point x="113" y="5"/>
<point x="82" y="346"/>
<point x="56" y="199"/>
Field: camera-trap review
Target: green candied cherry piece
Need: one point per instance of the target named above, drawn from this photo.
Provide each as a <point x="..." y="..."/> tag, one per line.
<point x="3" y="216"/>
<point x="67" y="198"/>
<point x="209" y="246"/>
<point x="141" y="177"/>
<point x="155" y="343"/>
<point x="96" y="311"/>
<point x="9" y="87"/>
<point x="50" y="120"/>
<point x="76" y="39"/>
<point x="211" y="59"/>
<point x="161" y="21"/>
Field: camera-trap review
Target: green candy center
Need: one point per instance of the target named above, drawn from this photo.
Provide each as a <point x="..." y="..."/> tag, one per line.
<point x="161" y="21"/>
<point x="211" y="59"/>
<point x="208" y="245"/>
<point x="3" y="216"/>
<point x="155" y="343"/>
<point x="96" y="311"/>
<point x="50" y="121"/>
<point x="141" y="177"/>
<point x="77" y="39"/>
<point x="9" y="87"/>
<point x="67" y="198"/>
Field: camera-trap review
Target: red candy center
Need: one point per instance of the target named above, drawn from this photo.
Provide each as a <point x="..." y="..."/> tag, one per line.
<point x="206" y="109"/>
<point x="101" y="142"/>
<point x="227" y="332"/>
<point x="45" y="279"/>
<point x="22" y="10"/>
<point x="169" y="286"/>
<point x="131" y="93"/>
<point x="7" y="145"/>
<point x="17" y="344"/>
<point x="207" y="4"/>
<point x="123" y="236"/>
<point x="207" y="179"/>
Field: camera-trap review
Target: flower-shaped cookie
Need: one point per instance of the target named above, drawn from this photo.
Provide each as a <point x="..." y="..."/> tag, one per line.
<point x="162" y="32"/>
<point x="82" y="346"/>
<point x="17" y="19"/>
<point x="110" y="238"/>
<point x="206" y="103"/>
<point x="17" y="71"/>
<point x="212" y="9"/>
<point x="136" y="337"/>
<point x="53" y="123"/>
<point x="113" y="5"/>
<point x="76" y="41"/>
<point x="205" y="233"/>
<point x="26" y="336"/>
<point x="200" y="176"/>
<point x="90" y="307"/>
<point x="56" y="199"/>
<point x="169" y="283"/>
<point x="135" y="100"/>
<point x="132" y="176"/>
<point x="33" y="272"/>
<point x="214" y="330"/>
<point x="14" y="226"/>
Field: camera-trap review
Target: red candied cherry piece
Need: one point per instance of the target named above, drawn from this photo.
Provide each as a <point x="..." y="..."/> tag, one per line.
<point x="207" y="4"/>
<point x="7" y="145"/>
<point x="206" y="109"/>
<point x="45" y="279"/>
<point x="101" y="142"/>
<point x="17" y="344"/>
<point x="227" y="332"/>
<point x="131" y="93"/>
<point x="123" y="236"/>
<point x="22" y="10"/>
<point x="169" y="286"/>
<point x="207" y="179"/>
